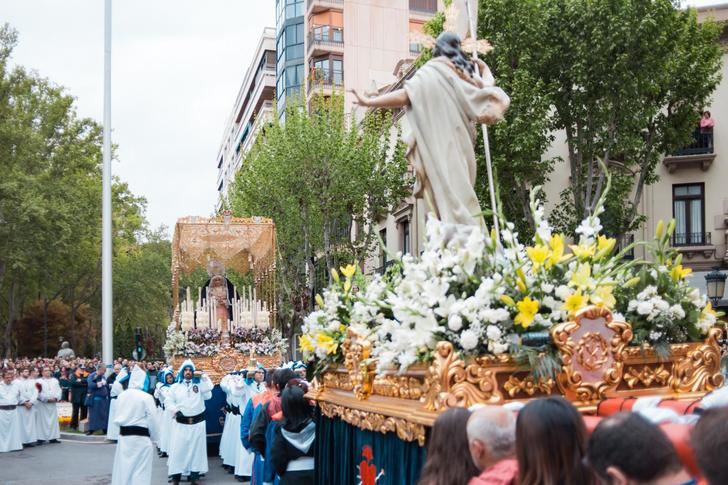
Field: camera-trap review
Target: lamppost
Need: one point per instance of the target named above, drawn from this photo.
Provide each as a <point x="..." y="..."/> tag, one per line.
<point x="715" y="283"/>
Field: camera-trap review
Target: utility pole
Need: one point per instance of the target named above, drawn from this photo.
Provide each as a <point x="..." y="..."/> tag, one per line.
<point x="107" y="326"/>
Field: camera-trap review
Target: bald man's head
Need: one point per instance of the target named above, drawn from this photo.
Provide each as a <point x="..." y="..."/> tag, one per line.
<point x="491" y="435"/>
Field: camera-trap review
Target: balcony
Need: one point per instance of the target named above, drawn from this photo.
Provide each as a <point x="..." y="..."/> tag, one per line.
<point x="699" y="153"/>
<point x="422" y="9"/>
<point x="691" y="239"/>
<point x="316" y="6"/>
<point x="324" y="39"/>
<point x="325" y="81"/>
<point x="697" y="248"/>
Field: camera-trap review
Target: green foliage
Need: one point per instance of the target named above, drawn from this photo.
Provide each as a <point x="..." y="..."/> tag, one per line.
<point x="50" y="217"/>
<point x="323" y="181"/>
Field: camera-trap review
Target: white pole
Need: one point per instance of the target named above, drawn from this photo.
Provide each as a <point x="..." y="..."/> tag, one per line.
<point x="107" y="325"/>
<point x="486" y="143"/>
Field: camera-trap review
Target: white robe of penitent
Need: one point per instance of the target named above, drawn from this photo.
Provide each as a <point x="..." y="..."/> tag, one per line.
<point x="227" y="445"/>
<point x="188" y="442"/>
<point x="243" y="458"/>
<point x="440" y="135"/>
<point x="135" y="454"/>
<point x="165" y="418"/>
<point x="46" y="413"/>
<point x="112" y="429"/>
<point x="28" y="393"/>
<point x="11" y="437"/>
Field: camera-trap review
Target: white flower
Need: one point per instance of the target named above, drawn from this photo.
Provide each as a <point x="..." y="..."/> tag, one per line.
<point x="454" y="322"/>
<point x="563" y="292"/>
<point x="676" y="312"/>
<point x="493" y="332"/>
<point x="468" y="340"/>
<point x="644" y="308"/>
<point x="547" y="288"/>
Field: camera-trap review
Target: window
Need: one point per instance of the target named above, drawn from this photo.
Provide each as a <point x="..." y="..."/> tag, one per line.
<point x="383" y="250"/>
<point x="328" y="70"/>
<point x="404" y="235"/>
<point x="688" y="209"/>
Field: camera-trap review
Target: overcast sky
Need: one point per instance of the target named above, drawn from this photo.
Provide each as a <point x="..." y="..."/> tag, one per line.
<point x="176" y="68"/>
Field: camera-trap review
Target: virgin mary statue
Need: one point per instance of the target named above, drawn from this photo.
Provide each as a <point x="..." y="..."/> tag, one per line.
<point x="442" y="102"/>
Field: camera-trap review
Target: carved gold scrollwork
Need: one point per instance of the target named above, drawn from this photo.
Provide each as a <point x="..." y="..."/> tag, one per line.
<point x="436" y="381"/>
<point x="356" y="360"/>
<point x="404" y="387"/>
<point x="528" y="386"/>
<point x="699" y="370"/>
<point x="406" y="430"/>
<point x="646" y="376"/>
<point x="592" y="348"/>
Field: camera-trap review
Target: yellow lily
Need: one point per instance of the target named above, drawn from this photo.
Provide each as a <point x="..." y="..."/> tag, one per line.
<point x="326" y="342"/>
<point x="574" y="303"/>
<point x="605" y="245"/>
<point x="507" y="300"/>
<point x="319" y="301"/>
<point x="581" y="251"/>
<point x="603" y="297"/>
<point x="348" y="271"/>
<point x="632" y="282"/>
<point x="678" y="272"/>
<point x="306" y="343"/>
<point x="347" y="285"/>
<point x="527" y="310"/>
<point x="521" y="284"/>
<point x="335" y="275"/>
<point x="660" y="229"/>
<point x="538" y="255"/>
<point x="708" y="310"/>
<point x="581" y="276"/>
<point x="557" y="249"/>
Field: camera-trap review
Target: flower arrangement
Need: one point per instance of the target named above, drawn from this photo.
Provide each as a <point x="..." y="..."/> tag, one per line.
<point x="490" y="296"/>
<point x="259" y="341"/>
<point x="206" y="342"/>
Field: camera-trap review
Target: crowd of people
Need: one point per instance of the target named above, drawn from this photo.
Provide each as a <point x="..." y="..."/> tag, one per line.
<point x="547" y="443"/>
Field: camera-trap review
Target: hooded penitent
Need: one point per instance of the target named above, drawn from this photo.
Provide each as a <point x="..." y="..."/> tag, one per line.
<point x="139" y="379"/>
<point x="187" y="363"/>
<point x="163" y="376"/>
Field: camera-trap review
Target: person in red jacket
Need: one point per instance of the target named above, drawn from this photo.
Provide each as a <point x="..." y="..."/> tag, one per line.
<point x="492" y="442"/>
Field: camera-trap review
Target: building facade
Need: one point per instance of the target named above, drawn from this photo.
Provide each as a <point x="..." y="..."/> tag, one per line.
<point x="692" y="189"/>
<point x="253" y="107"/>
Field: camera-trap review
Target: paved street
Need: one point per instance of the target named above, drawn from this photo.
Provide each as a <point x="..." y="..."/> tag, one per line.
<point x="77" y="463"/>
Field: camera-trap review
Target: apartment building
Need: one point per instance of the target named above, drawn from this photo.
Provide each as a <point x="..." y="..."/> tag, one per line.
<point x="692" y="189"/>
<point x="253" y="107"/>
<point x="338" y="45"/>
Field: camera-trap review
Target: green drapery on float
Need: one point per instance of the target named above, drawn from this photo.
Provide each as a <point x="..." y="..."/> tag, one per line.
<point x="365" y="457"/>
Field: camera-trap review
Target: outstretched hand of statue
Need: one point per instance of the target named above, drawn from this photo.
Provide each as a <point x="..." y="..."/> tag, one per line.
<point x="395" y="99"/>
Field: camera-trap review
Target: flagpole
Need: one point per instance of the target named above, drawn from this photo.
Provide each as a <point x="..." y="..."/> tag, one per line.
<point x="486" y="143"/>
<point x="107" y="326"/>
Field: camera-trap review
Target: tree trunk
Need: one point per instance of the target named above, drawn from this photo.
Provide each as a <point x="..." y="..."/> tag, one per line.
<point x="11" y="319"/>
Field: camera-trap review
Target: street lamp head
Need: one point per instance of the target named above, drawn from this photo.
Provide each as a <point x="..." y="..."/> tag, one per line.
<point x="715" y="283"/>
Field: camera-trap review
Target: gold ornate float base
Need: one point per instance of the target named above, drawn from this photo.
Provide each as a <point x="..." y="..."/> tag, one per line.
<point x="227" y="361"/>
<point x="597" y="363"/>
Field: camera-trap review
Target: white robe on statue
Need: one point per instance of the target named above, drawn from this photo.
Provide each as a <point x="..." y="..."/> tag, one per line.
<point x="188" y="442"/>
<point x="11" y="438"/>
<point x="112" y="429"/>
<point x="46" y="413"/>
<point x="135" y="454"/>
<point x="440" y="136"/>
<point x="28" y="393"/>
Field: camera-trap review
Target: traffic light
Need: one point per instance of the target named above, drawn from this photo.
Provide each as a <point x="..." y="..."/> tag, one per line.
<point x="139" y="352"/>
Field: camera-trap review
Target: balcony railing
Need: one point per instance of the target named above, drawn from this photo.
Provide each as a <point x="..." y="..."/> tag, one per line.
<point x="326" y="35"/>
<point x="681" y="239"/>
<point x="325" y="78"/>
<point x="623" y="242"/>
<point x="702" y="144"/>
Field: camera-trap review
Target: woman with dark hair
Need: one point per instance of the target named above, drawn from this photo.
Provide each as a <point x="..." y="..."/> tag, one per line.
<point x="551" y="442"/>
<point x="443" y="100"/>
<point x="448" y="456"/>
<point x="294" y="437"/>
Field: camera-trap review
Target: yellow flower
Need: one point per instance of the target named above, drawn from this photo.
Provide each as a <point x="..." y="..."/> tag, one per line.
<point x="507" y="300"/>
<point x="581" y="251"/>
<point x="347" y="285"/>
<point x="605" y="246"/>
<point x="306" y="343"/>
<point x="527" y="310"/>
<point x="557" y="249"/>
<point x="326" y="342"/>
<point x="581" y="276"/>
<point x="335" y="275"/>
<point x="538" y="255"/>
<point x="348" y="271"/>
<point x="678" y="272"/>
<point x="660" y="230"/>
<point x="632" y="282"/>
<point x="319" y="301"/>
<point x="521" y="285"/>
<point x="603" y="297"/>
<point x="574" y="303"/>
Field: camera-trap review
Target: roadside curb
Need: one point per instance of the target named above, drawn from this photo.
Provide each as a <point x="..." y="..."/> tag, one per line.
<point x="84" y="439"/>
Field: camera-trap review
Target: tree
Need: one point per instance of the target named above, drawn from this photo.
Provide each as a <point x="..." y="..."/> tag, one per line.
<point x="628" y="80"/>
<point x="325" y="183"/>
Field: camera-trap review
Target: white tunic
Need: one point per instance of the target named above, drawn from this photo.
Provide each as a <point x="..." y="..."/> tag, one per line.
<point x="227" y="440"/>
<point x="188" y="442"/>
<point x="112" y="432"/>
<point x="244" y="458"/>
<point x="28" y="393"/>
<point x="46" y="413"/>
<point x="165" y="418"/>
<point x="135" y="454"/>
<point x="11" y="438"/>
